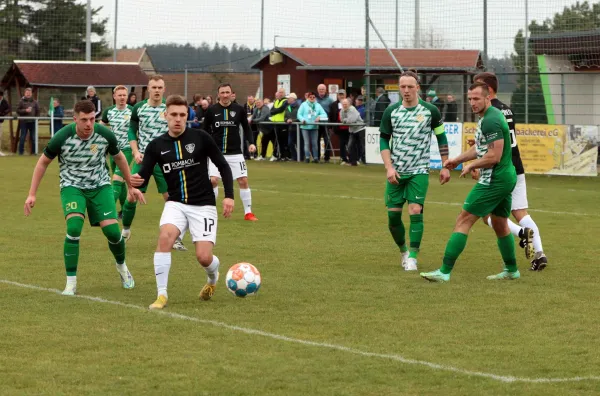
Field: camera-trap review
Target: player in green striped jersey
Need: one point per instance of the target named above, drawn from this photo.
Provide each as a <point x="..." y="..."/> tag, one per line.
<point x="148" y="121"/>
<point x="118" y="117"/>
<point x="405" y="142"/>
<point x="81" y="148"/>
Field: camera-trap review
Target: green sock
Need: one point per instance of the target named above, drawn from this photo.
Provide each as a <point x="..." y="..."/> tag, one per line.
<point x="116" y="243"/>
<point x="117" y="189"/>
<point x="71" y="250"/>
<point x="506" y="245"/>
<point x="416" y="234"/>
<point x="123" y="196"/>
<point x="128" y="213"/>
<point x="456" y="244"/>
<point x="397" y="230"/>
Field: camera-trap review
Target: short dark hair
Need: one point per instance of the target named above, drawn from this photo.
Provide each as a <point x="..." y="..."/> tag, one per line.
<point x="411" y="73"/>
<point x="176" y="100"/>
<point x="489" y="78"/>
<point x="84" y="106"/>
<point x="223" y="85"/>
<point x="480" y="84"/>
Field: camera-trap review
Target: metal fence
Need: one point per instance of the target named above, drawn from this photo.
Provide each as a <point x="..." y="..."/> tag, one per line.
<point x="511" y="37"/>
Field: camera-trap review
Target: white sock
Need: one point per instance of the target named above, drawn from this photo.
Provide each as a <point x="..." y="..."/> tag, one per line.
<point x="514" y="228"/>
<point x="72" y="280"/>
<point x="216" y="191"/>
<point x="528" y="222"/>
<point x="162" y="265"/>
<point x="213" y="271"/>
<point x="246" y="197"/>
<point x="122" y="268"/>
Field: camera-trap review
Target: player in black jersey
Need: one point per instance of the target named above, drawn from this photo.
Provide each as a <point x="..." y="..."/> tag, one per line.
<point x="526" y="230"/>
<point x="223" y="121"/>
<point x="183" y="155"/>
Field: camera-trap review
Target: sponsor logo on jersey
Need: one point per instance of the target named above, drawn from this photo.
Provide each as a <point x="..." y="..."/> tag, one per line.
<point x="177" y="165"/>
<point x="226" y="123"/>
<point x="190" y="147"/>
<point x="94" y="148"/>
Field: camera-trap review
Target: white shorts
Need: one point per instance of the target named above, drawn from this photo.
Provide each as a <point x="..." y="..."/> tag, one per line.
<point x="519" y="194"/>
<point x="237" y="164"/>
<point x="200" y="220"/>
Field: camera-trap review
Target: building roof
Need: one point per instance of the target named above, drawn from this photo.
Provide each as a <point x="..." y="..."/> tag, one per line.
<point x="77" y="74"/>
<point x="128" y="55"/>
<point x="566" y="43"/>
<point x="354" y="59"/>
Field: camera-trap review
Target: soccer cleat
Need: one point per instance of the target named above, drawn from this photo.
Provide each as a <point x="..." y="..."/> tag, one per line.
<point x="403" y="258"/>
<point x="178" y="245"/>
<point x="127" y="280"/>
<point x="436" y="276"/>
<point x="526" y="242"/>
<point x="250" y="217"/>
<point x="540" y="262"/>
<point x="160" y="303"/>
<point x="126" y="234"/>
<point x="505" y="275"/>
<point x="208" y="290"/>
<point x="70" y="289"/>
<point x="411" y="264"/>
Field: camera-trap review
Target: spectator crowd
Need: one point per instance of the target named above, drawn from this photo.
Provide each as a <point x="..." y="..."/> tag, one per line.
<point x="276" y="121"/>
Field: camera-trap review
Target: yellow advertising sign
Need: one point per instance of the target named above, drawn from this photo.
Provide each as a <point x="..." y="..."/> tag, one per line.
<point x="391" y="87"/>
<point x="541" y="146"/>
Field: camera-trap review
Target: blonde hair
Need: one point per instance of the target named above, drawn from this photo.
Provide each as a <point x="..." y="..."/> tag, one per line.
<point x="119" y="87"/>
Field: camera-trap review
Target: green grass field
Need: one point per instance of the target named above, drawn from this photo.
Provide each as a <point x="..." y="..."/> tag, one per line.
<point x="336" y="315"/>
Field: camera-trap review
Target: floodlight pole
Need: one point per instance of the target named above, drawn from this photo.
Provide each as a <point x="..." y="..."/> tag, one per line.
<point x="88" y="32"/>
<point x="115" y="38"/>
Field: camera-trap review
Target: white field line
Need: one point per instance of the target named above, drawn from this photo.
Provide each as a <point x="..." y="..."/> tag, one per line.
<point x="454" y="176"/>
<point x="397" y="358"/>
<point x="427" y="202"/>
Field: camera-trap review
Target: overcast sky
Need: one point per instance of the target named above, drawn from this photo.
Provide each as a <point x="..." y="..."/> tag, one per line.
<point x="453" y="24"/>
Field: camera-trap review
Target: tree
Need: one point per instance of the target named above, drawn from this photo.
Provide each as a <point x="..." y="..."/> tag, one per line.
<point x="14" y="17"/>
<point x="59" y="30"/>
<point x="428" y="38"/>
<point x="578" y="17"/>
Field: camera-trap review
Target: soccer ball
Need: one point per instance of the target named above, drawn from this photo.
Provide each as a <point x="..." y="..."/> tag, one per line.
<point x="243" y="279"/>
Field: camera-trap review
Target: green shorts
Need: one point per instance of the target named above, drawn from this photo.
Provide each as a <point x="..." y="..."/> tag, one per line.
<point x="159" y="178"/>
<point x="99" y="202"/>
<point x="113" y="165"/>
<point x="411" y="188"/>
<point x="495" y="199"/>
